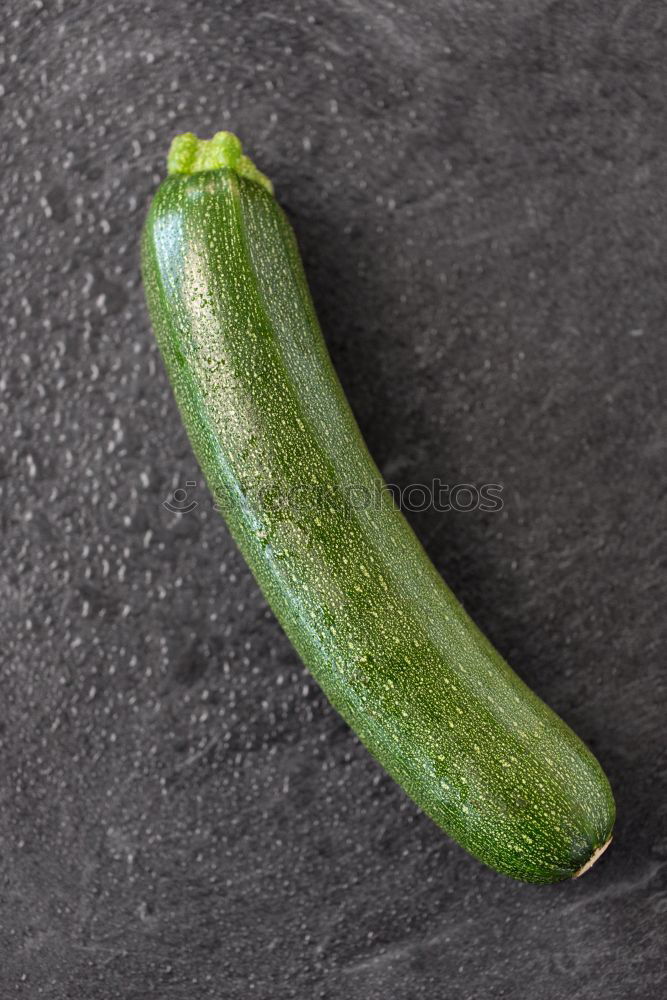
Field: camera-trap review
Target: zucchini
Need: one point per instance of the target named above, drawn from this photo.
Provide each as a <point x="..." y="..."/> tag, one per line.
<point x="369" y="615"/>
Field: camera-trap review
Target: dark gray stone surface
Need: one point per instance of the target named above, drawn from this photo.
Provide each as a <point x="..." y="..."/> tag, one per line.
<point x="479" y="192"/>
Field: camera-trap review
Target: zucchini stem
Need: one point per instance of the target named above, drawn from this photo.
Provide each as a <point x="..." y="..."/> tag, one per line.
<point x="190" y="155"/>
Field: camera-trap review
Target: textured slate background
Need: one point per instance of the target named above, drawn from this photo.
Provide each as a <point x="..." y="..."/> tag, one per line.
<point x="479" y="192"/>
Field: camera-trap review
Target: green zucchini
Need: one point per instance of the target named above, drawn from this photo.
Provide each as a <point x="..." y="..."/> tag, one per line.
<point x="371" y="618"/>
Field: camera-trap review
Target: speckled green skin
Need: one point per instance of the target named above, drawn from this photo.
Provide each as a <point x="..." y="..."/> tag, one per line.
<point x="354" y="590"/>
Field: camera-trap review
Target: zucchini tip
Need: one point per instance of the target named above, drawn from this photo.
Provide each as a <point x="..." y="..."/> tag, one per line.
<point x="597" y="853"/>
